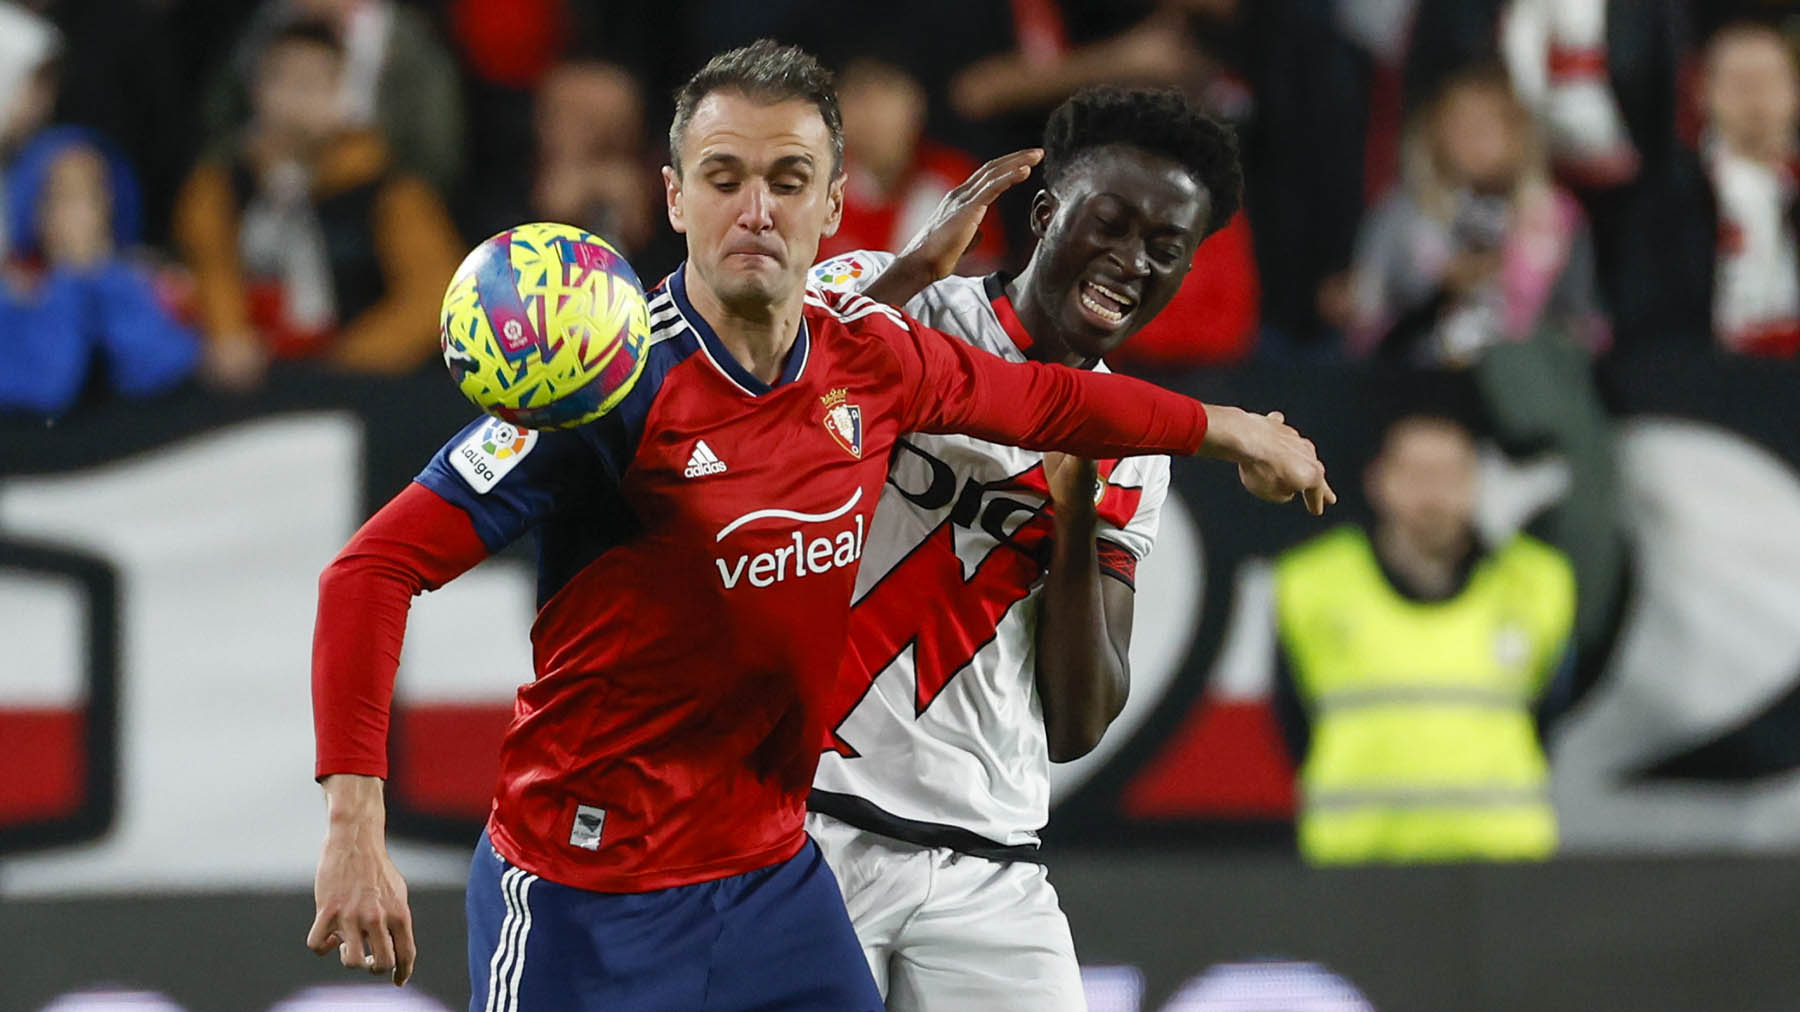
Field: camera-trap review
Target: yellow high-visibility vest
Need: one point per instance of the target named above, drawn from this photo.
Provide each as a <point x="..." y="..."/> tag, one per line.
<point x="1423" y="744"/>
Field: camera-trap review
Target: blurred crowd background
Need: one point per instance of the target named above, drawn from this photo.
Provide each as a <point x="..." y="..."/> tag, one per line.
<point x="1527" y="270"/>
<point x="195" y="190"/>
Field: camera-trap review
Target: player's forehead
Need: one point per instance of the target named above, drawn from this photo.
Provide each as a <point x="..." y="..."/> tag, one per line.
<point x="1428" y="441"/>
<point x="731" y="126"/>
<point x="1155" y="184"/>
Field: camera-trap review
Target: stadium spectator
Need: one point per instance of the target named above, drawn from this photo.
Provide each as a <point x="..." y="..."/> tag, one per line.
<point x="1718" y="229"/>
<point x="1193" y="45"/>
<point x="398" y="78"/>
<point x="1476" y="246"/>
<point x="304" y="240"/>
<point x="896" y="175"/>
<point x="28" y="47"/>
<point x="71" y="299"/>
<point x="1560" y="47"/>
<point x="121" y="76"/>
<point x="594" y="169"/>
<point x="1601" y="74"/>
<point x="1414" y="660"/>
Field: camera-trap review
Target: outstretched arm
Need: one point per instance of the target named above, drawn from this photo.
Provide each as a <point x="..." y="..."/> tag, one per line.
<point x="416" y="542"/>
<point x="958" y="389"/>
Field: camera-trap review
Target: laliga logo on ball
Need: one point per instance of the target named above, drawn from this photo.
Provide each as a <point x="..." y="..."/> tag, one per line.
<point x="593" y="315"/>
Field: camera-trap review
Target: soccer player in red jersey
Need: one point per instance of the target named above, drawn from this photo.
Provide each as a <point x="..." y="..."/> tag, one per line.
<point x="697" y="550"/>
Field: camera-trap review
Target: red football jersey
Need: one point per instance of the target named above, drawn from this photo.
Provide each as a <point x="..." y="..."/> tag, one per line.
<point x="698" y="548"/>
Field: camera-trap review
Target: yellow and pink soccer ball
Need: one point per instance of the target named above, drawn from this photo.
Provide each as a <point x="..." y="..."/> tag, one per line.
<point x="545" y="326"/>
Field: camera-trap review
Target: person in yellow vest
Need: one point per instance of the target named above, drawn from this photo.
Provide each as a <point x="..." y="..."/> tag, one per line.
<point x="1416" y="663"/>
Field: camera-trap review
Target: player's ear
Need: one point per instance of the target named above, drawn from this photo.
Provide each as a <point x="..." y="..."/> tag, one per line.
<point x="1043" y="208"/>
<point x="672" y="194"/>
<point x="834" y="196"/>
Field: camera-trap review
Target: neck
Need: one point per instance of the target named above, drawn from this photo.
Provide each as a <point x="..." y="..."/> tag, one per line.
<point x="1047" y="341"/>
<point x="758" y="336"/>
<point x="285" y="145"/>
<point x="1424" y="573"/>
<point x="1768" y="151"/>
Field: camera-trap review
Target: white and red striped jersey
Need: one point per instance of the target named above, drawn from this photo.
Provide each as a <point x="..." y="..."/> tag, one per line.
<point x="938" y="737"/>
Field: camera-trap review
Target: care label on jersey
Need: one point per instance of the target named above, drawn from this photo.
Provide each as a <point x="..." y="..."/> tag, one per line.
<point x="490" y="452"/>
<point x="588" y="823"/>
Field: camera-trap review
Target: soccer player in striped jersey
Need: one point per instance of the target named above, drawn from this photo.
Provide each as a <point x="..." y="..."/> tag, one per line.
<point x="698" y="547"/>
<point x="993" y="608"/>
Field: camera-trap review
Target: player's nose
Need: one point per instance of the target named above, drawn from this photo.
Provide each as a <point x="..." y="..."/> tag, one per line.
<point x="753" y="211"/>
<point x="1133" y="257"/>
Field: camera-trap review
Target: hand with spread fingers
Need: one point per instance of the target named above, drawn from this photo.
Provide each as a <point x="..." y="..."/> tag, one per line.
<point x="953" y="230"/>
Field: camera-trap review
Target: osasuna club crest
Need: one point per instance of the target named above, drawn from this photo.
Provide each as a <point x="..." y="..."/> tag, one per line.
<point x="844" y="421"/>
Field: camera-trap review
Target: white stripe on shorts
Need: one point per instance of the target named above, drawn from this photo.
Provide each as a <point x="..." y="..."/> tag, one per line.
<point x="507" y="967"/>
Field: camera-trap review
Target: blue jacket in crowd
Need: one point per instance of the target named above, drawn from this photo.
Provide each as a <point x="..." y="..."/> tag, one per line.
<point x="51" y="335"/>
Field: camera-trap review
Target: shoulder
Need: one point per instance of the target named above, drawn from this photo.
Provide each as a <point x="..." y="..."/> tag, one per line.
<point x="671" y="342"/>
<point x="954" y="294"/>
<point x="1536" y="559"/>
<point x="853" y="312"/>
<point x="848" y="272"/>
<point x="1396" y="203"/>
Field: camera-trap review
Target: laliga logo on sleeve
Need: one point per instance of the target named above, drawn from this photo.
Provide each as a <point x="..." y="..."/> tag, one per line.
<point x="840" y="274"/>
<point x="843" y="421"/>
<point x="504" y="440"/>
<point x="490" y="452"/>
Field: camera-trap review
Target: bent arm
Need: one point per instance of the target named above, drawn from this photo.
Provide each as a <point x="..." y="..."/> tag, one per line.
<point x="1083" y="642"/>
<point x="416" y="542"/>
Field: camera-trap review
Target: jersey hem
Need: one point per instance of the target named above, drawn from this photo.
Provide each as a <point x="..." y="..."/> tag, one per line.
<point x="647" y="881"/>
<point x="869" y="817"/>
<point x="353" y="767"/>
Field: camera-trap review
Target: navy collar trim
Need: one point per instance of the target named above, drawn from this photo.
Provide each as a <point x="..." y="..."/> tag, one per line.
<point x="722" y="358"/>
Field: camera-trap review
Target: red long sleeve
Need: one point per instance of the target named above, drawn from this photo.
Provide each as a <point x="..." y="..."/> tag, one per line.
<point x="1042" y="407"/>
<point x="416" y="542"/>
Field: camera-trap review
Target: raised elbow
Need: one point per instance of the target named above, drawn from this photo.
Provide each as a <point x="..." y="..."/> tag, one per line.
<point x="1069" y="740"/>
<point x="1069" y="747"/>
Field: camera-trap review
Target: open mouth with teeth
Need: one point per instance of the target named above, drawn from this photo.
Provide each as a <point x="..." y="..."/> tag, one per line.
<point x="1104" y="304"/>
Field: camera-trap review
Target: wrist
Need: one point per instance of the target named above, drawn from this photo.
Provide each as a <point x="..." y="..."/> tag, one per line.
<point x="1226" y="435"/>
<point x="354" y="800"/>
<point x="916" y="268"/>
<point x="1078" y="520"/>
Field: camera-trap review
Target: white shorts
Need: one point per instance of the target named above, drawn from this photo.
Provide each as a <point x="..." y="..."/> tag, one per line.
<point x="946" y="930"/>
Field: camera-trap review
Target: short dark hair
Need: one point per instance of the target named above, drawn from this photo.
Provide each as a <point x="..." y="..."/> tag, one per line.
<point x="764" y="71"/>
<point x="1157" y="120"/>
<point x="306" y="31"/>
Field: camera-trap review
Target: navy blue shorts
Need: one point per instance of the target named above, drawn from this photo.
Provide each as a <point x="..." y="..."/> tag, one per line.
<point x="774" y="938"/>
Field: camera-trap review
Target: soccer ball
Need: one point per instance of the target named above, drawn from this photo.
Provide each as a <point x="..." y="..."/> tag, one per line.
<point x="545" y="326"/>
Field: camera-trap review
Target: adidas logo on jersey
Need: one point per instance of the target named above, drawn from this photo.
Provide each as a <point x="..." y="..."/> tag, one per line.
<point x="703" y="461"/>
